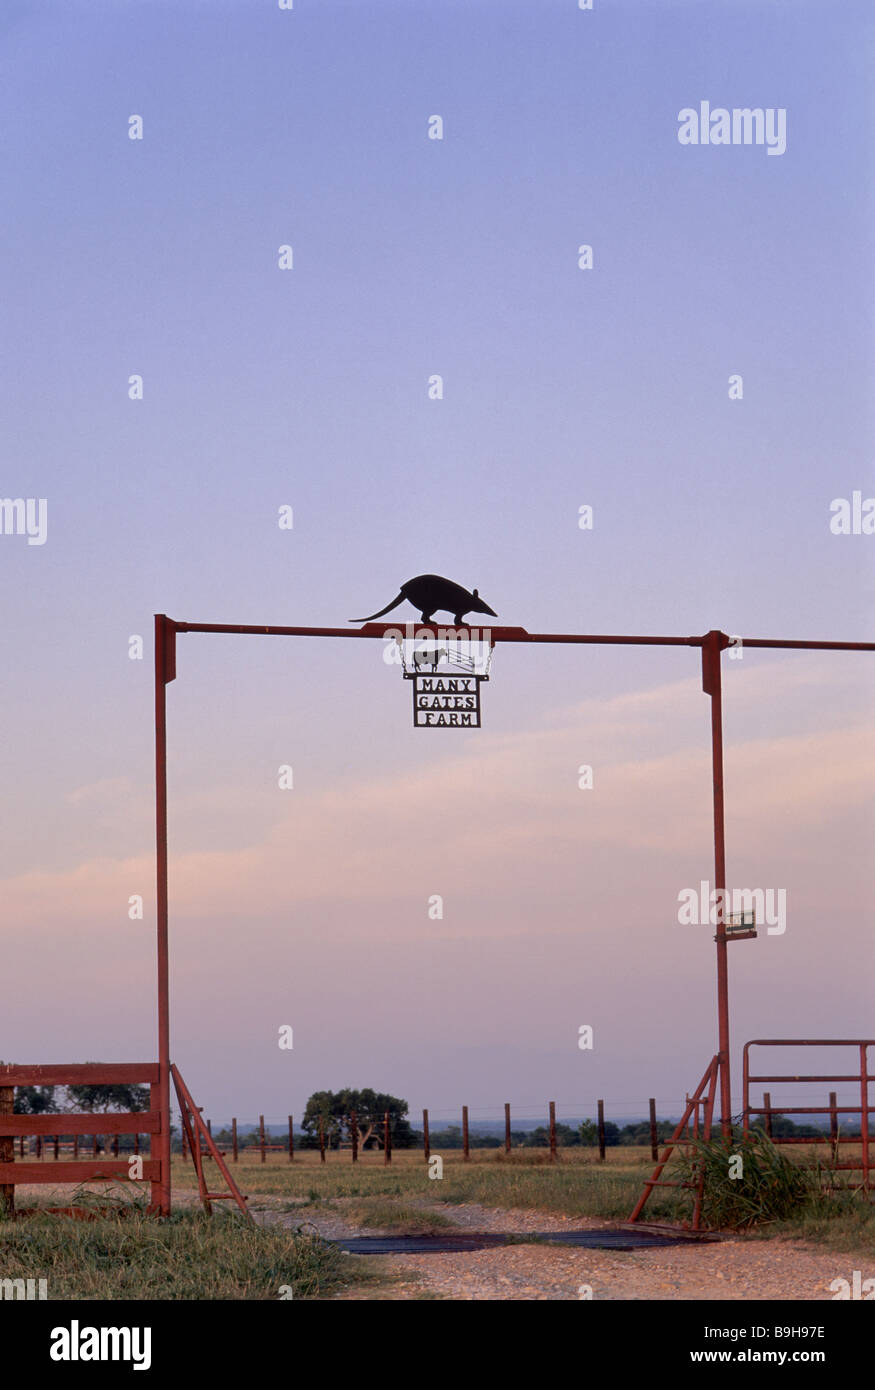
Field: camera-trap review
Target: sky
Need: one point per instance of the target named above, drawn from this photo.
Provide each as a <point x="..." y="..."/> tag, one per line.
<point x="158" y="258"/>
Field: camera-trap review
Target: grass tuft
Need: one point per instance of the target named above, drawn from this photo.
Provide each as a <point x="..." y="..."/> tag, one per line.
<point x="750" y="1182"/>
<point x="186" y="1256"/>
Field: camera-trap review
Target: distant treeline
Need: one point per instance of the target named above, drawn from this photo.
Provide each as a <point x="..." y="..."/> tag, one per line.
<point x="585" y="1135"/>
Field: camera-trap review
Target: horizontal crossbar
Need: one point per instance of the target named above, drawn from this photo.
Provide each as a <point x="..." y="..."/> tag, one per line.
<point x="141" y="1122"/>
<point x="81" y="1171"/>
<point x="816" y="1139"/>
<point x="810" y="1042"/>
<point x="809" y="1109"/>
<point x="80" y="1074"/>
<point x="853" y="1077"/>
<point x="417" y="630"/>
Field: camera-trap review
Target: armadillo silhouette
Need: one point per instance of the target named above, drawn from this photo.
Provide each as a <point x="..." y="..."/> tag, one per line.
<point x="428" y="592"/>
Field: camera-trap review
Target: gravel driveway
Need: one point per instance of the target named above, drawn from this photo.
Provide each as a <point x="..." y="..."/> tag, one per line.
<point x="736" y="1269"/>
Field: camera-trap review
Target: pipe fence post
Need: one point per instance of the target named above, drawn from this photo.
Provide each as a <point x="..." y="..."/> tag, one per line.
<point x="7" y="1150"/>
<point x="767" y="1102"/>
<point x="354" y="1133"/>
<point x="864" y="1116"/>
<point x="234" y="1138"/>
<point x="654" y="1145"/>
<point x="291" y="1139"/>
<point x="601" y="1122"/>
<point x="426" y="1144"/>
<point x="466" y="1152"/>
<point x="552" y="1131"/>
<point x="321" y="1141"/>
<point x="261" y="1137"/>
<point x="507" y="1127"/>
<point x="387" y="1139"/>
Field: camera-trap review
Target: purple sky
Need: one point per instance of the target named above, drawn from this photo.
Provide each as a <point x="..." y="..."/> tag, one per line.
<point x="308" y="387"/>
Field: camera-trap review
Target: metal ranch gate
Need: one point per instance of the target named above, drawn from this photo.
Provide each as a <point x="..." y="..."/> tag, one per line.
<point x="713" y="1090"/>
<point x="835" y="1138"/>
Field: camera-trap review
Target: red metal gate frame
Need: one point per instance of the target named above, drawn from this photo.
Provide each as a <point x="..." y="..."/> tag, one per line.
<point x="862" y="1078"/>
<point x="712" y="645"/>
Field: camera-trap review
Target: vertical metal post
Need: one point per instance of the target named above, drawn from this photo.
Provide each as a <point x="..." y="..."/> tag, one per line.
<point x="833" y="1117"/>
<point x="864" y="1115"/>
<point x="354" y="1134"/>
<point x="466" y="1153"/>
<point x="767" y="1102"/>
<point x="654" y="1146"/>
<point x="261" y="1136"/>
<point x="291" y="1139"/>
<point x="712" y="647"/>
<point x="165" y="671"/>
<point x="234" y="1138"/>
<point x="552" y="1131"/>
<point x="507" y="1127"/>
<point x="601" y="1123"/>
<point x="425" y="1139"/>
<point x="7" y="1151"/>
<point x="321" y="1141"/>
<point x="387" y="1139"/>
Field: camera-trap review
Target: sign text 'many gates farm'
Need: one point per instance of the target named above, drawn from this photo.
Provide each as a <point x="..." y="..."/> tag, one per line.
<point x="446" y="701"/>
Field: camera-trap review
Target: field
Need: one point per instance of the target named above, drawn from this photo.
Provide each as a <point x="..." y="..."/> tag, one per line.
<point x="195" y="1257"/>
<point x="577" y="1185"/>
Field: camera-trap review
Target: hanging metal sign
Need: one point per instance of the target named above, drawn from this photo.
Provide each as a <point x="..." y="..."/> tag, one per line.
<point x="446" y="701"/>
<point x="448" y="695"/>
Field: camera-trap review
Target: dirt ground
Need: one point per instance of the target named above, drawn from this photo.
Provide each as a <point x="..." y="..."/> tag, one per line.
<point x="736" y="1269"/>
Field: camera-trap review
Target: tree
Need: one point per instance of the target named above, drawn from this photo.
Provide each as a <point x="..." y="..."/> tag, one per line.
<point x="566" y="1137"/>
<point x="783" y="1127"/>
<point x="589" y="1133"/>
<point x="449" y="1138"/>
<point x="335" y="1109"/>
<point x="103" y="1098"/>
<point x="35" y="1100"/>
<point x="639" y="1134"/>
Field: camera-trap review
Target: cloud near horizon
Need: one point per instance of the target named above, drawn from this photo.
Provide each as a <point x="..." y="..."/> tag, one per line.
<point x="499" y="810"/>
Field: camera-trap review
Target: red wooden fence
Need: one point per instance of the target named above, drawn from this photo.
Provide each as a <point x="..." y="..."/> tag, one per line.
<point x="78" y="1170"/>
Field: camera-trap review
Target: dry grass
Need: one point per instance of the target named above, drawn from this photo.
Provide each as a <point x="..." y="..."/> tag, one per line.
<point x="189" y="1256"/>
<point x="578" y="1185"/>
